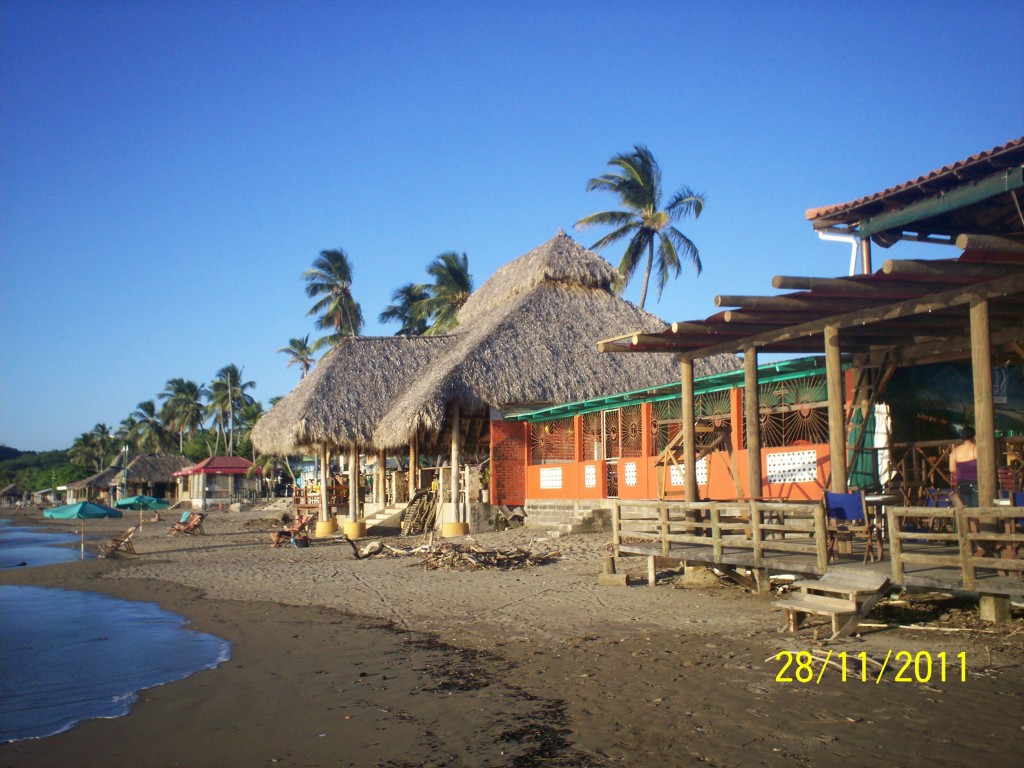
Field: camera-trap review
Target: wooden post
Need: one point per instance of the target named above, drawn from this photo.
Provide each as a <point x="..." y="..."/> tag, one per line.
<point x="752" y="418"/>
<point x="836" y="409"/>
<point x="379" y="494"/>
<point x="353" y="483"/>
<point x="414" y="462"/>
<point x="689" y="432"/>
<point x="984" y="417"/>
<point x="821" y="537"/>
<point x="325" y="483"/>
<point x="895" y="546"/>
<point x="616" y="522"/>
<point x="756" y="533"/>
<point x="456" y="445"/>
<point x="865" y="256"/>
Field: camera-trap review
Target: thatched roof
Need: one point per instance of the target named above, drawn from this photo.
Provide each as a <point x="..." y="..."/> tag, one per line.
<point x="12" y="491"/>
<point x="153" y="468"/>
<point x="529" y="336"/>
<point x="101" y="479"/>
<point x="341" y="400"/>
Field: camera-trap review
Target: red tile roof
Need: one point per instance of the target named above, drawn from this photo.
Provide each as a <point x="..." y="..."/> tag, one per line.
<point x="218" y="465"/>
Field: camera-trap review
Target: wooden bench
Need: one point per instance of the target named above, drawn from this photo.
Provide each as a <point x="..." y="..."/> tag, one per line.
<point x="845" y="596"/>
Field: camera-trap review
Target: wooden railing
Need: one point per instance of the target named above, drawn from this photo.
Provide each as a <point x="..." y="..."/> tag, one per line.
<point x="757" y="525"/>
<point x="971" y="529"/>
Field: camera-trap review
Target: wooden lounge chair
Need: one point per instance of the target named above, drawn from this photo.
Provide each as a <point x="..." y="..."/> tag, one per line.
<point x="122" y="543"/>
<point x="303" y="524"/>
<point x="193" y="526"/>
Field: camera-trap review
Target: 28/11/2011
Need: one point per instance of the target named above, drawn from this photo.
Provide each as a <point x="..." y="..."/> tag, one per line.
<point x="921" y="667"/>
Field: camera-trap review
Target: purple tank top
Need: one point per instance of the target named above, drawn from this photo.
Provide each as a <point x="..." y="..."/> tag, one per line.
<point x="967" y="471"/>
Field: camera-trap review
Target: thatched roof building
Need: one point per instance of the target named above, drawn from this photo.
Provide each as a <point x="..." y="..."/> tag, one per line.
<point x="12" y="491"/>
<point x="153" y="468"/>
<point x="529" y="337"/>
<point x="341" y="400"/>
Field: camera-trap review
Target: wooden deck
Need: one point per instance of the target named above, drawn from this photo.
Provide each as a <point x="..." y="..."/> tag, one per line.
<point x="790" y="538"/>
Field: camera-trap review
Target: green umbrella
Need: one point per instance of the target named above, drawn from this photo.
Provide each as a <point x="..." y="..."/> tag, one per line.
<point x="142" y="503"/>
<point x="81" y="511"/>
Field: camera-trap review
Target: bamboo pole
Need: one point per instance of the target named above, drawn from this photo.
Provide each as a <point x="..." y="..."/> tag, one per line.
<point x="353" y="483"/>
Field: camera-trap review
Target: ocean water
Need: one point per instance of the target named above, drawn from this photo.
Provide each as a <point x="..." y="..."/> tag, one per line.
<point x="27" y="546"/>
<point x="68" y="656"/>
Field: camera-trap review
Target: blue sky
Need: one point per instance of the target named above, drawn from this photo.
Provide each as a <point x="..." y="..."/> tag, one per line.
<point x="169" y="169"/>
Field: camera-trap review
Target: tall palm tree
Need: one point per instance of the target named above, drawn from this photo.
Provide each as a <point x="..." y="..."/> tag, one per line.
<point x="450" y="290"/>
<point x="227" y="395"/>
<point x="407" y="309"/>
<point x="104" y="443"/>
<point x="85" y="452"/>
<point x="183" y="409"/>
<point x="637" y="182"/>
<point x="300" y="353"/>
<point x="330" y="283"/>
<point x="248" y="415"/>
<point x="149" y="433"/>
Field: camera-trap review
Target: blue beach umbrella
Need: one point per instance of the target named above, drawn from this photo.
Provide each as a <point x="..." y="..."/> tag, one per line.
<point x="81" y="511"/>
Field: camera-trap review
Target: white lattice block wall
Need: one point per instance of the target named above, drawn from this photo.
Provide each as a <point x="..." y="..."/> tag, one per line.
<point x="629" y="471"/>
<point x="551" y="478"/>
<point x="590" y="476"/>
<point x="792" y="467"/>
<point x="676" y="473"/>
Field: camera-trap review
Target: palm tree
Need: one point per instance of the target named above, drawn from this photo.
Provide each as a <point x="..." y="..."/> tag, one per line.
<point x="149" y="432"/>
<point x="183" y="409"/>
<point x="227" y="395"/>
<point x="248" y="415"/>
<point x="450" y="290"/>
<point x="637" y="182"/>
<point x="330" y="282"/>
<point x="407" y="309"/>
<point x="300" y="353"/>
<point x="85" y="452"/>
<point x="104" y="440"/>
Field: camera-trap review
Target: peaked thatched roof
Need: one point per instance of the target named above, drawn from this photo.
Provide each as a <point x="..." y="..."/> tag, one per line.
<point x="101" y="479"/>
<point x="529" y="335"/>
<point x="341" y="400"/>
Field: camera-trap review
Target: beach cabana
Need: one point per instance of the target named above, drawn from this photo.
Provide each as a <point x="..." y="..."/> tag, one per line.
<point x="526" y="338"/>
<point x="338" y="405"/>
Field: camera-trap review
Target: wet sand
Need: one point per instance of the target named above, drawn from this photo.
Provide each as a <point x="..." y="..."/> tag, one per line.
<point x="345" y="662"/>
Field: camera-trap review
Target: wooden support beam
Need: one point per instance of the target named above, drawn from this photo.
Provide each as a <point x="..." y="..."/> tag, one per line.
<point x="836" y="409"/>
<point x="941" y="268"/>
<point x="984" y="415"/>
<point x="1008" y="284"/>
<point x="456" y="446"/>
<point x="832" y="284"/>
<point x="989" y="243"/>
<point x="353" y="483"/>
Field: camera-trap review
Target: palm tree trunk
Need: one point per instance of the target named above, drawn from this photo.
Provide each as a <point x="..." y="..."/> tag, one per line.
<point x="647" y="273"/>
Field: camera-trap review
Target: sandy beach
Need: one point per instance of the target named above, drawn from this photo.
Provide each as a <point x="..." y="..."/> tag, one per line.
<point x="378" y="662"/>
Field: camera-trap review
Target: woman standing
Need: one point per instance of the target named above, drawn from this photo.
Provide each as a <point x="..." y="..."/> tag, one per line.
<point x="963" y="467"/>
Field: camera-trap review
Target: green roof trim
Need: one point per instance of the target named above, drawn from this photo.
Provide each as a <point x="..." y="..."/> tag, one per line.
<point x="782" y="370"/>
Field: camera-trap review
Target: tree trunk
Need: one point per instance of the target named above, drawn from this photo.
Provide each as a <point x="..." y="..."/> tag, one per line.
<point x="647" y="273"/>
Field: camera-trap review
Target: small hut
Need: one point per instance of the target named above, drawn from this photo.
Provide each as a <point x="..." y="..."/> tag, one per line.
<point x="12" y="494"/>
<point x="220" y="480"/>
<point x="149" y="474"/>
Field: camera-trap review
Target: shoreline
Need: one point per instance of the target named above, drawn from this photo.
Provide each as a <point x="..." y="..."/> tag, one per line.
<point x="373" y="662"/>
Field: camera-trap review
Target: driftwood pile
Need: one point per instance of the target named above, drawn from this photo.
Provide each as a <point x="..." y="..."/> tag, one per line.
<point x="449" y="556"/>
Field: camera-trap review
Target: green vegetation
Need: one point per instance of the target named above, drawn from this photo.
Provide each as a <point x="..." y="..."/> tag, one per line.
<point x="330" y="283"/>
<point x="36" y="471"/>
<point x="431" y="309"/>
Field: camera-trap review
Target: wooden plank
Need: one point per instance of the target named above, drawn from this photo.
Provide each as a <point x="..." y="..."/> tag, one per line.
<point x="936" y="560"/>
<point x="817" y="604"/>
<point x="895" y="545"/>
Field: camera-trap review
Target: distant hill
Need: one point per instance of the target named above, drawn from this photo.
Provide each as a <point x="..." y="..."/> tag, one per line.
<point x="35" y="471"/>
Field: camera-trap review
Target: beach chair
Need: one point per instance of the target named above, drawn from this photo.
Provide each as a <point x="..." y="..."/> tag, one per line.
<point x="847" y="519"/>
<point x="301" y="526"/>
<point x="193" y="526"/>
<point x="122" y="543"/>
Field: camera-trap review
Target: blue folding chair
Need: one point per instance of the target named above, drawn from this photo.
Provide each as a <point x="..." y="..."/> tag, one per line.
<point x="847" y="519"/>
